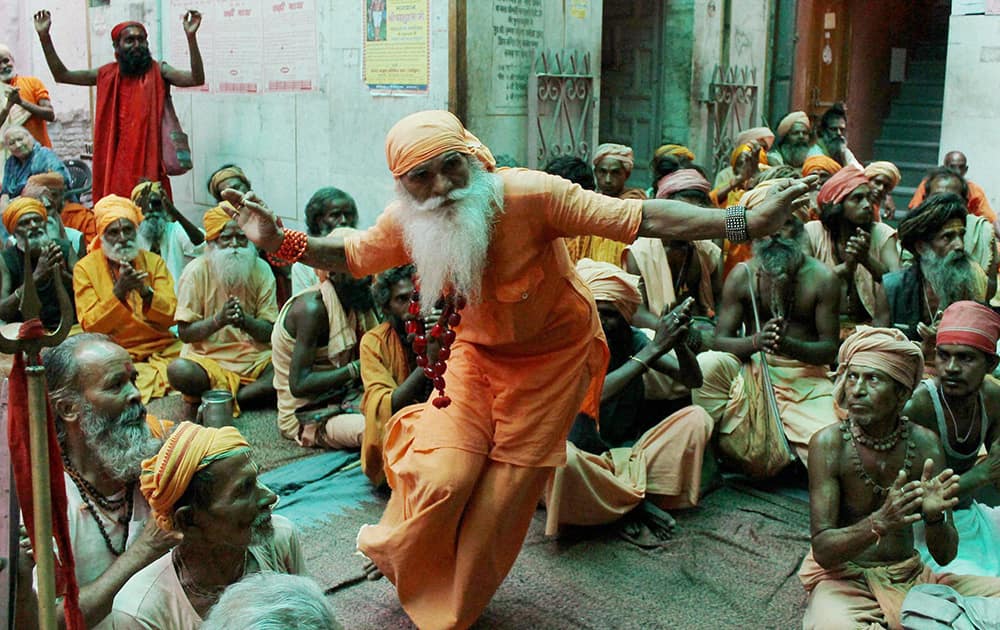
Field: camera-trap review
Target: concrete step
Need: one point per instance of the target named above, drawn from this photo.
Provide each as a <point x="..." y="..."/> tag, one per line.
<point x="902" y="195"/>
<point x="906" y="151"/>
<point x="922" y="90"/>
<point x="926" y="70"/>
<point x="913" y="172"/>
<point x="909" y="129"/>
<point x="917" y="110"/>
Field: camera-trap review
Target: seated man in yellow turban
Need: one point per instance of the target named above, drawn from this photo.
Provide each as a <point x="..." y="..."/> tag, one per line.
<point x="203" y="485"/>
<point x="128" y="294"/>
<point x="53" y="261"/>
<point x="874" y="475"/>
<point x="165" y="230"/>
<point x="71" y="215"/>
<point x="225" y="312"/>
<point x="317" y="371"/>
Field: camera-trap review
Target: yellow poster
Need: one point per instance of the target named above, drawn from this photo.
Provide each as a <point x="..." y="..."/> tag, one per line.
<point x="397" y="46"/>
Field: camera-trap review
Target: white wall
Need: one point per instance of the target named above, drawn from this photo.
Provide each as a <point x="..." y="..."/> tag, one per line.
<point x="289" y="144"/>
<point x="971" y="119"/>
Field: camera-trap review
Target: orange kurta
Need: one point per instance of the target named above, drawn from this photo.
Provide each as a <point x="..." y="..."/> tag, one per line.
<point x="978" y="204"/>
<point x="598" y="248"/>
<point x="79" y="217"/>
<point x="33" y="90"/>
<point x="384" y="367"/>
<point x="466" y="479"/>
<point x="144" y="333"/>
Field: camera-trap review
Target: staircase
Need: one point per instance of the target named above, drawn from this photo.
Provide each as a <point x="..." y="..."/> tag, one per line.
<point x="911" y="135"/>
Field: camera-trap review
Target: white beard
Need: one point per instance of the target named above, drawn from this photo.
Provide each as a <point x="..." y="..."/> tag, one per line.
<point x="232" y="267"/>
<point x="124" y="252"/>
<point x="449" y="245"/>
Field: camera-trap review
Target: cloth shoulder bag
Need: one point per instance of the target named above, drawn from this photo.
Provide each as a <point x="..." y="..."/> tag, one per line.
<point x="176" y="149"/>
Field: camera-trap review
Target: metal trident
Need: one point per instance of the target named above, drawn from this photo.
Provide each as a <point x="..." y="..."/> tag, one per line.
<point x="31" y="307"/>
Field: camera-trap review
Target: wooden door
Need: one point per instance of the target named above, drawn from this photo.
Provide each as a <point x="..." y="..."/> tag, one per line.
<point x="630" y="76"/>
<point x="828" y="55"/>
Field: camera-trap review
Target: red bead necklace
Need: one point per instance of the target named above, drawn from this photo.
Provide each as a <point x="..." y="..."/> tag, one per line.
<point x="444" y="332"/>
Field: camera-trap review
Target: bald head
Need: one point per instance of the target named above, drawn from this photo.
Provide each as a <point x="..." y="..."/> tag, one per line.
<point x="956" y="162"/>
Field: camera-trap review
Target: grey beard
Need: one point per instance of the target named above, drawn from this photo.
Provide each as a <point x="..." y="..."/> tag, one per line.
<point x="449" y="244"/>
<point x="34" y="243"/>
<point x="121" y="252"/>
<point x="7" y="75"/>
<point x="232" y="268"/>
<point x="795" y="154"/>
<point x="780" y="259"/>
<point x="119" y="443"/>
<point x="953" y="277"/>
<point x="153" y="228"/>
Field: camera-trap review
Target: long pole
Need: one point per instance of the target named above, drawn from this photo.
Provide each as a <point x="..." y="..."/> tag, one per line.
<point x="41" y="491"/>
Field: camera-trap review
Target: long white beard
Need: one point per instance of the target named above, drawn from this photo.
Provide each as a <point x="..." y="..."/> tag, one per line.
<point x="232" y="266"/>
<point x="448" y="244"/>
<point x="119" y="443"/>
<point x="153" y="227"/>
<point x="124" y="252"/>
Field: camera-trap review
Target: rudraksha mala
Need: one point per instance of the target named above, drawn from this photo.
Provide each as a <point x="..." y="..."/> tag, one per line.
<point x="444" y="332"/>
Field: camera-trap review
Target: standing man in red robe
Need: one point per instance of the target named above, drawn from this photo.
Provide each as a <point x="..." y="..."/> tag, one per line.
<point x="130" y="95"/>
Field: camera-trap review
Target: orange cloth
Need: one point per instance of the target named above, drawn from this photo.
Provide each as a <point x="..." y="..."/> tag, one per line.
<point x="815" y="163"/>
<point x="214" y="221"/>
<point x="144" y="333"/>
<point x="128" y="134"/>
<point x="737" y="152"/>
<point x="143" y="187"/>
<point x="736" y="253"/>
<point x="872" y="597"/>
<point x="677" y="150"/>
<point x="222" y="175"/>
<point x="466" y="478"/>
<point x="885" y="349"/>
<point x="598" y="248"/>
<point x="425" y="135"/>
<point x="165" y="476"/>
<point x="20" y="207"/>
<point x="80" y="218"/>
<point x="609" y="283"/>
<point x="33" y="90"/>
<point x="657" y="277"/>
<point x="110" y="209"/>
<point x="384" y="367"/>
<point x="664" y="467"/>
<point x="978" y="204"/>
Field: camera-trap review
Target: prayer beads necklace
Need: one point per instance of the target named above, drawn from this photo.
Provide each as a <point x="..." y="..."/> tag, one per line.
<point x="88" y="491"/>
<point x="882" y="444"/>
<point x="443" y="331"/>
<point x="954" y="418"/>
<point x="902" y="432"/>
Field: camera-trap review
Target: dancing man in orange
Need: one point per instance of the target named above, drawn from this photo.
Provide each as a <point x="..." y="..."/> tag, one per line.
<point x="524" y="355"/>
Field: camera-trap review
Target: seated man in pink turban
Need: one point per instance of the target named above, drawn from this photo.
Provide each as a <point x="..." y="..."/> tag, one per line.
<point x="632" y="464"/>
<point x="522" y="347"/>
<point x="203" y="485"/>
<point x="873" y="476"/>
<point x="847" y="239"/>
<point x="955" y="405"/>
<point x="127" y="293"/>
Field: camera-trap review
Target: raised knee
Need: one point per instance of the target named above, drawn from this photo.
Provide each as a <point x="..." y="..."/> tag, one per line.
<point x="187" y="377"/>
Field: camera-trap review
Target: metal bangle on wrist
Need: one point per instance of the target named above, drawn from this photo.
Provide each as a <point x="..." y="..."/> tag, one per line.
<point x="737" y="230"/>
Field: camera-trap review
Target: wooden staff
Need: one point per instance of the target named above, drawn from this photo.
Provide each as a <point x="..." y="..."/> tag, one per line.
<point x="41" y="486"/>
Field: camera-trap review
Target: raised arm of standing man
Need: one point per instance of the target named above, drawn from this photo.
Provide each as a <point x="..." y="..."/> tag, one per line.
<point x="183" y="78"/>
<point x="43" y="22"/>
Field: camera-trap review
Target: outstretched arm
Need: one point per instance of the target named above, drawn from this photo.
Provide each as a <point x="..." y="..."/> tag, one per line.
<point x="182" y="78"/>
<point x="670" y="219"/>
<point x="43" y="22"/>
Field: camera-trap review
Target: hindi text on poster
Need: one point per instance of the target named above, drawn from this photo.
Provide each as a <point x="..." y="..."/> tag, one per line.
<point x="517" y="36"/>
<point x="397" y="46"/>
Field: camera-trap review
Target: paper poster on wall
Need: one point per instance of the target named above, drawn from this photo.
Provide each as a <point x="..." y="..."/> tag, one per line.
<point x="292" y="64"/>
<point x="397" y="46"/>
<point x="517" y="36"/>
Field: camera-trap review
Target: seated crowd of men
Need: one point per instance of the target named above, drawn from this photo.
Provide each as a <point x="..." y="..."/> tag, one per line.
<point x="719" y="351"/>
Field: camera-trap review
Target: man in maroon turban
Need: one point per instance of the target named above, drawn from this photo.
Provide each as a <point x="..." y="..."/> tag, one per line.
<point x="133" y="89"/>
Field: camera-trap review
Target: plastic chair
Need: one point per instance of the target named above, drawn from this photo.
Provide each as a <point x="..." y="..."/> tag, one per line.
<point x="82" y="178"/>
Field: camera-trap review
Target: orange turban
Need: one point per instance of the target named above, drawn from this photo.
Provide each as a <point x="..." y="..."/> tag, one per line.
<point x="885" y="349"/>
<point x="425" y="135"/>
<point x="191" y="447"/>
<point x="221" y="175"/>
<point x="971" y="324"/>
<point x="884" y="168"/>
<point x="789" y="121"/>
<point x="764" y="135"/>
<point x="620" y="152"/>
<point x="677" y="150"/>
<point x="110" y="209"/>
<point x="50" y="179"/>
<point x="612" y="284"/>
<point x="815" y="163"/>
<point x="840" y="185"/>
<point x="215" y="220"/>
<point x="20" y="207"/>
